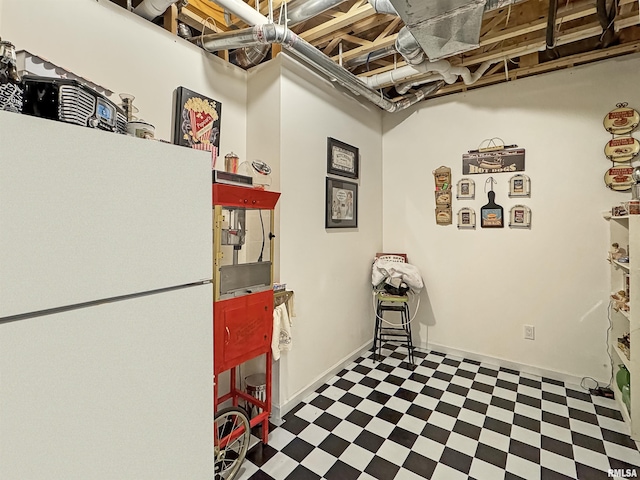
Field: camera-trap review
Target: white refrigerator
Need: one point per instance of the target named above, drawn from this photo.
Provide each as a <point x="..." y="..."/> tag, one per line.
<point x="106" y="307"/>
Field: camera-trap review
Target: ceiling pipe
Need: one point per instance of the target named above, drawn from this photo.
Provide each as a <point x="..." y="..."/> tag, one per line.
<point x="297" y="12"/>
<point x="243" y="11"/>
<point x="306" y="52"/>
<point x="151" y="9"/>
<point x="551" y="24"/>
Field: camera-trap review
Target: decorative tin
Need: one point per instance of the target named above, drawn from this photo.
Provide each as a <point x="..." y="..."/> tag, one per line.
<point x="519" y="186"/>
<point x="619" y="178"/>
<point x="520" y="217"/>
<point x="466" y="189"/>
<point x="466" y="218"/>
<point x="621" y="120"/>
<point x="622" y="149"/>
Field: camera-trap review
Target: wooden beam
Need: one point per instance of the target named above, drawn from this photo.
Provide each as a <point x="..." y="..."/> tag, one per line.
<point x="537" y="25"/>
<point x="389" y="28"/>
<point x="338" y="23"/>
<point x="357" y="40"/>
<point x="356" y="52"/>
<point x="567" y="36"/>
<point x="196" y="20"/>
<point x="565" y="62"/>
<point x="357" y="28"/>
<point x="332" y="44"/>
<point x="170" y="19"/>
<point x="207" y="9"/>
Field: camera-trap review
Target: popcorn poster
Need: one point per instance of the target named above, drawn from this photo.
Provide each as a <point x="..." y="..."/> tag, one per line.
<point x="197" y="122"/>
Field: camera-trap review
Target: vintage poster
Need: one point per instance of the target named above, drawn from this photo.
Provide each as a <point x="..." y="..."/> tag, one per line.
<point x="197" y="122"/>
<point x="496" y="161"/>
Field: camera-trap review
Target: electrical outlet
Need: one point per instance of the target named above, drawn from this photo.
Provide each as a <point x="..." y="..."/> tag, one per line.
<point x="529" y="332"/>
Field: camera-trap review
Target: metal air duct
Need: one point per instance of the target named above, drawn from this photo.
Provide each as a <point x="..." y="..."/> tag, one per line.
<point x="270" y="33"/>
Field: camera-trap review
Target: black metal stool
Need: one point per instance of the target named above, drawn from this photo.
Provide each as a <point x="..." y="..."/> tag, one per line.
<point x="384" y="331"/>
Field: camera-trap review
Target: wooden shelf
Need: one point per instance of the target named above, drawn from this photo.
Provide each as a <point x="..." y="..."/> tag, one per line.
<point x="623" y="357"/>
<point x="624" y="266"/>
<point x="625" y="231"/>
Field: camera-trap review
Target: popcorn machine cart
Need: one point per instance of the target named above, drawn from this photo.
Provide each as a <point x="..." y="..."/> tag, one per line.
<point x="243" y="289"/>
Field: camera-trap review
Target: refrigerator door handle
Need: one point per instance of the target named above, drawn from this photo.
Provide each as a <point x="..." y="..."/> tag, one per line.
<point x="226" y="342"/>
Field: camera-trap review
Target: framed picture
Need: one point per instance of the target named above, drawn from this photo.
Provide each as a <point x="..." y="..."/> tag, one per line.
<point x="342" y="204"/>
<point x="466" y="189"/>
<point x="466" y="218"/>
<point x="519" y="186"/>
<point x="196" y="122"/>
<point x="520" y="217"/>
<point x="342" y="159"/>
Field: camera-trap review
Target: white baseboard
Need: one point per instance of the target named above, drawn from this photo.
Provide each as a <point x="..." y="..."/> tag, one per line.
<point x="277" y="412"/>
<point x="499" y="362"/>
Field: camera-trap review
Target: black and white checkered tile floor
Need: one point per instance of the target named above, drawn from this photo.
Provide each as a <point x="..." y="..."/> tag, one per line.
<point x="447" y="419"/>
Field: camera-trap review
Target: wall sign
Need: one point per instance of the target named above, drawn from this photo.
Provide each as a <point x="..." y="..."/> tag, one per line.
<point x="619" y="178"/>
<point x="622" y="149"/>
<point x="621" y="120"/>
<point x="507" y="159"/>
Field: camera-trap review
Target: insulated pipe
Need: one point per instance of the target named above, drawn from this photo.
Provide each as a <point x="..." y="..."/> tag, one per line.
<point x="409" y="48"/>
<point x="308" y="53"/>
<point x="151" y="9"/>
<point x="443" y="67"/>
<point x="243" y="11"/>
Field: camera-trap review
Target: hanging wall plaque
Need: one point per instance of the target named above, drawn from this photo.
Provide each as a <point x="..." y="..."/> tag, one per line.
<point x="443" y="215"/>
<point x="519" y="186"/>
<point x="520" y="217"/>
<point x="442" y="177"/>
<point x="621" y="120"/>
<point x="619" y="178"/>
<point x="466" y="218"/>
<point x="622" y="149"/>
<point x="443" y="197"/>
<point x="466" y="189"/>
<point x="491" y="214"/>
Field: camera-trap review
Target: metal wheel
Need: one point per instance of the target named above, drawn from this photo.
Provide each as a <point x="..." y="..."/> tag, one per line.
<point x="232" y="434"/>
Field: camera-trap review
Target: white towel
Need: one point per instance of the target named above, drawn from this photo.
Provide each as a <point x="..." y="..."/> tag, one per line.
<point x="281" y="340"/>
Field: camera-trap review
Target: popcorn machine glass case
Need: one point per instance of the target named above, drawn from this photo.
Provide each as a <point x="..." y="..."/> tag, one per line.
<point x="243" y="286"/>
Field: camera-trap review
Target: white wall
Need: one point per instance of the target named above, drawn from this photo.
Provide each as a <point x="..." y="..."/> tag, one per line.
<point x="123" y="52"/>
<point x="328" y="269"/>
<point x="483" y="285"/>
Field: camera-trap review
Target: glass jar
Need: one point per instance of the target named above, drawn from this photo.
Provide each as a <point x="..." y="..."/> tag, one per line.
<point x="623" y="377"/>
